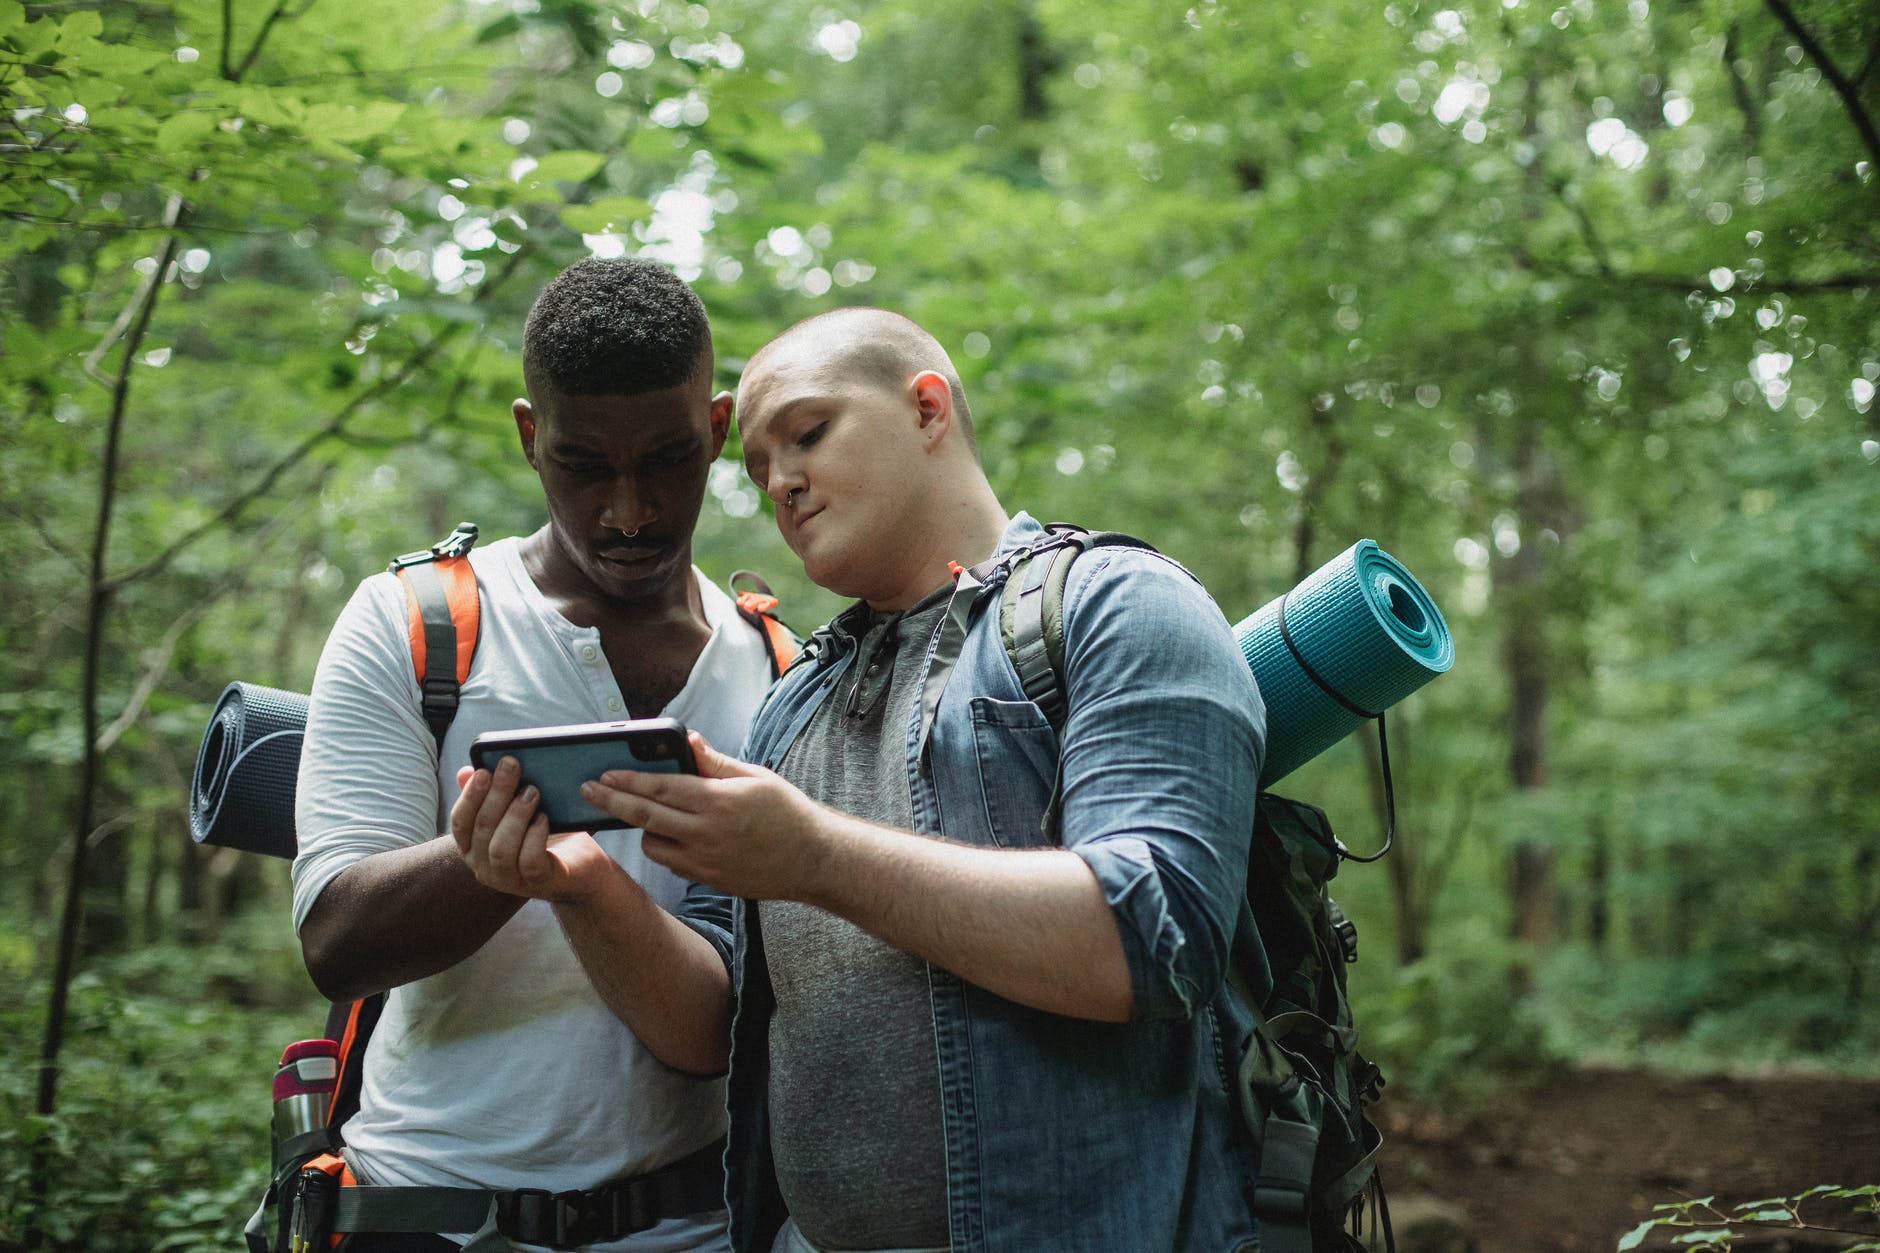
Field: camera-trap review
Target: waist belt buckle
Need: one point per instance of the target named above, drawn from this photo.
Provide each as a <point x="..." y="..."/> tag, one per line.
<point x="568" y="1220"/>
<point x="535" y="1216"/>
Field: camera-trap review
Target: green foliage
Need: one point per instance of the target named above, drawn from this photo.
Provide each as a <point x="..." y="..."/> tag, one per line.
<point x="1448" y="1027"/>
<point x="1704" y="1226"/>
<point x="160" y="1141"/>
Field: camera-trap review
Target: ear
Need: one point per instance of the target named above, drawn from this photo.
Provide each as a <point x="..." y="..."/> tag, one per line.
<point x="934" y="399"/>
<point x="722" y="405"/>
<point x="525" y="426"/>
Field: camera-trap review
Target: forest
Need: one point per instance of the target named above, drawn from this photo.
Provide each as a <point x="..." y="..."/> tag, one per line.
<point x="1572" y="306"/>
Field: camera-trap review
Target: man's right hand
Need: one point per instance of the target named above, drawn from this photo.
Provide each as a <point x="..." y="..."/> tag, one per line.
<point x="507" y="845"/>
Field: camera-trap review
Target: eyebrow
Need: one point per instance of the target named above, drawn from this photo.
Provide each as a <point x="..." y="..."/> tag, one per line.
<point x="782" y="412"/>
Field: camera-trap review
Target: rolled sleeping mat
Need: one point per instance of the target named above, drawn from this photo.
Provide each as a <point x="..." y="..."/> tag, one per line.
<point x="1355" y="637"/>
<point x="243" y="793"/>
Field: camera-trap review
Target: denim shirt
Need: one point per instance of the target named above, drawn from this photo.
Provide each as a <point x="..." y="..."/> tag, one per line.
<point x="1063" y="1134"/>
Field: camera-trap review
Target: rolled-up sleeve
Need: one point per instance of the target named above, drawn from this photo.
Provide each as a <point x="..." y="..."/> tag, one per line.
<point x="712" y="914"/>
<point x="368" y="779"/>
<point x="1161" y="762"/>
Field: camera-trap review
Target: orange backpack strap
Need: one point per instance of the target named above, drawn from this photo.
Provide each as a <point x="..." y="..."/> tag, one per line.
<point x="757" y="606"/>
<point x="444" y="613"/>
<point x="350" y="1023"/>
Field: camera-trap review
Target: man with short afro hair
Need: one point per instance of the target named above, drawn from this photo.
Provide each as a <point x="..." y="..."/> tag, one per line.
<point x="614" y="326"/>
<point x="496" y="1064"/>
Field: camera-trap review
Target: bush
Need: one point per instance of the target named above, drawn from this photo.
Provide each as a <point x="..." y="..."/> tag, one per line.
<point x="1450" y="1028"/>
<point x="160" y="1142"/>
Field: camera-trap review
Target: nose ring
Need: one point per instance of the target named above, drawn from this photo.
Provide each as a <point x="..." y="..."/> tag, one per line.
<point x="789" y="498"/>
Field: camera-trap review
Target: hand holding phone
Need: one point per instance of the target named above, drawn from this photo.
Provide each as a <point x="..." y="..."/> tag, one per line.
<point x="558" y="760"/>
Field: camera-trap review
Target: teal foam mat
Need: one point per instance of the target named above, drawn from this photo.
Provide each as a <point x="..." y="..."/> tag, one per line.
<point x="1365" y="627"/>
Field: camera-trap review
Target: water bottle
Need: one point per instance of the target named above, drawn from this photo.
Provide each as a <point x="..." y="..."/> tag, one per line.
<point x="303" y="1089"/>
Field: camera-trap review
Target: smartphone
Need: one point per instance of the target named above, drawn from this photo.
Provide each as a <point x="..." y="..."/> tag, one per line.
<point x="558" y="760"/>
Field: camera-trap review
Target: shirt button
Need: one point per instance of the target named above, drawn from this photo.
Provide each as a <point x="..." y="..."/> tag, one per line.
<point x="588" y="652"/>
<point x="613" y="704"/>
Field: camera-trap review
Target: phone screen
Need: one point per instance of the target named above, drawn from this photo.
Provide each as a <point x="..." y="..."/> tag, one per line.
<point x="558" y="760"/>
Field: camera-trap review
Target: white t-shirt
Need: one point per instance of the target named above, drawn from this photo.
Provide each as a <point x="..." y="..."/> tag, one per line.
<point x="507" y="1070"/>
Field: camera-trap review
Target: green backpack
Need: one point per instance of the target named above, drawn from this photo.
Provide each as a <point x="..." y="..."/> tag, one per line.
<point x="1302" y="1084"/>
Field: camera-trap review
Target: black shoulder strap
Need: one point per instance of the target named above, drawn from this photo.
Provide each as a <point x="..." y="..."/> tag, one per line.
<point x="1031" y="613"/>
<point x="446" y="621"/>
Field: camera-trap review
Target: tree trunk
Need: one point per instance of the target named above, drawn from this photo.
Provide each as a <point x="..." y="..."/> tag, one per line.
<point x="1518" y="589"/>
<point x="1519" y="586"/>
<point x="107" y="893"/>
<point x="1598" y="885"/>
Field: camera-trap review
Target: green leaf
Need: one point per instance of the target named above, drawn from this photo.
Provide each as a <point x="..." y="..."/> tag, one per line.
<point x="184" y="130"/>
<point x="569" y="166"/>
<point x="602" y="217"/>
<point x="1721" y="1235"/>
<point x="85" y="24"/>
<point x="349" y="124"/>
<point x="501" y="28"/>
<point x="1635" y="1237"/>
<point x="35" y="38"/>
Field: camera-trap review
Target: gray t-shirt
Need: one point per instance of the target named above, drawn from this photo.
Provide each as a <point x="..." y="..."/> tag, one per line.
<point x="854" y="1075"/>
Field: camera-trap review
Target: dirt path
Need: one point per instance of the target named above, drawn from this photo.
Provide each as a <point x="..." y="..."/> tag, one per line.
<point x="1579" y="1161"/>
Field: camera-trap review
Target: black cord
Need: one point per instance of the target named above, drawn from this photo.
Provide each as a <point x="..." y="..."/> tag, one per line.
<point x="1383" y="743"/>
<point x="1390" y="803"/>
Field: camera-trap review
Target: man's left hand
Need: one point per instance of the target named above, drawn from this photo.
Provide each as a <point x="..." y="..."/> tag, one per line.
<point x="734" y="826"/>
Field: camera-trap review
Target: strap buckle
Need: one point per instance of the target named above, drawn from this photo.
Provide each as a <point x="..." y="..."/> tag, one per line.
<point x="439" y="698"/>
<point x="568" y="1220"/>
<point x="1279" y="1203"/>
<point x="457" y="544"/>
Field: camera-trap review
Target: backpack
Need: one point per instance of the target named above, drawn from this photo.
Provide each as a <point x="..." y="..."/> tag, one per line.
<point x="1301" y="1083"/>
<point x="445" y="613"/>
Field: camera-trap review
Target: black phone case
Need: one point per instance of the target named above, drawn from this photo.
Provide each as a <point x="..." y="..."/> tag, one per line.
<point x="558" y="760"/>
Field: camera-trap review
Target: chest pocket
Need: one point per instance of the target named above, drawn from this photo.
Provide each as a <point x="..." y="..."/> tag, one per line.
<point x="1016" y="753"/>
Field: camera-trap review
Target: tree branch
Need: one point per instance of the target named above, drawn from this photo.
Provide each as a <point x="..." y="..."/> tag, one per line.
<point x="334" y="427"/>
<point x="1688" y="283"/>
<point x="1850" y="96"/>
<point x="140" y="300"/>
<point x="1589" y="233"/>
<point x="1873" y="57"/>
<point x="1739" y="90"/>
<point x="52" y="542"/>
<point x="154" y="671"/>
<point x="159" y="664"/>
<point x="228" y="39"/>
<point x="1680" y="282"/>
<point x="261" y="38"/>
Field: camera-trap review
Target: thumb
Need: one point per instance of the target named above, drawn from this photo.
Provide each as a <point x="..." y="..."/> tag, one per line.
<point x="463" y="775"/>
<point x="713" y="764"/>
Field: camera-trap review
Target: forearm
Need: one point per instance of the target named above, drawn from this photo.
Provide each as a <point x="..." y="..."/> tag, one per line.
<point x="660" y="977"/>
<point x="1031" y="925"/>
<point x="398" y="916"/>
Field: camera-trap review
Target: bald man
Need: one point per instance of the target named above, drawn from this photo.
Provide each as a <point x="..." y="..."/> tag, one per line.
<point x="957" y="1027"/>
